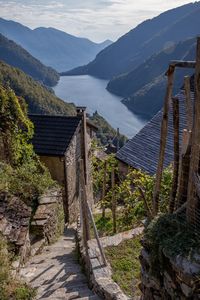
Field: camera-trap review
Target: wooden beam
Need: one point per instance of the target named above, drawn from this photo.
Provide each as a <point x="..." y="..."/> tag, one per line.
<point x="188" y="103"/>
<point x="175" y="104"/>
<point x="183" y="64"/>
<point x="192" y="201"/>
<point x="163" y="139"/>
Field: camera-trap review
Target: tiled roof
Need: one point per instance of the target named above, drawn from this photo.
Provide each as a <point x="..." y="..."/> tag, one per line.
<point x="142" y="151"/>
<point x="53" y="133"/>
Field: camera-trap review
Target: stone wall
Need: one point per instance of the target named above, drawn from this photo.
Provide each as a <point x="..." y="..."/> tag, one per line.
<point x="99" y="276"/>
<point x="48" y="221"/>
<point x="72" y="172"/>
<point x="14" y="225"/>
<point x="178" y="278"/>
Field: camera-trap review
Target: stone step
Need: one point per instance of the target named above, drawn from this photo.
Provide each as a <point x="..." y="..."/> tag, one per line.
<point x="93" y="297"/>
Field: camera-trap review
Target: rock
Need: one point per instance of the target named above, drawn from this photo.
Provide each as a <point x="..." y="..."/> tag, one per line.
<point x="187" y="291"/>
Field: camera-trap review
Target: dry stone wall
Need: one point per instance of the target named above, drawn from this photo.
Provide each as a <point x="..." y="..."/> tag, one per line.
<point x="178" y="278"/>
<point x="14" y="224"/>
<point x="48" y="221"/>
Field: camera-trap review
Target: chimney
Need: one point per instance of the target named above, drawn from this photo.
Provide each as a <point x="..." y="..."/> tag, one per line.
<point x="80" y="110"/>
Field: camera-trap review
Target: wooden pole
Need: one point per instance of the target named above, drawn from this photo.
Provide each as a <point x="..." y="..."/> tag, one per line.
<point x="188" y="103"/>
<point x="85" y="146"/>
<point x="184" y="164"/>
<point x="97" y="236"/>
<point x="175" y="103"/>
<point x="113" y="200"/>
<point x="85" y="222"/>
<point x="104" y="189"/>
<point x="192" y="201"/>
<point x="163" y="139"/>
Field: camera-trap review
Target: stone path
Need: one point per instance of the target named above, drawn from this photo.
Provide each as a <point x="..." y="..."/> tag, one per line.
<point x="56" y="273"/>
<point x="118" y="238"/>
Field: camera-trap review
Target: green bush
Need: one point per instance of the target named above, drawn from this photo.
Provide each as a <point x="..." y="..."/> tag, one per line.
<point x="27" y="181"/>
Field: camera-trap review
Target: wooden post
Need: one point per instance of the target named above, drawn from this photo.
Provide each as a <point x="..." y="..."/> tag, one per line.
<point x="84" y="219"/>
<point x="192" y="200"/>
<point x="113" y="201"/>
<point x="163" y="139"/>
<point x="188" y="103"/>
<point x="117" y="139"/>
<point x="175" y="103"/>
<point x="104" y="188"/>
<point x="85" y="146"/>
<point x="184" y="164"/>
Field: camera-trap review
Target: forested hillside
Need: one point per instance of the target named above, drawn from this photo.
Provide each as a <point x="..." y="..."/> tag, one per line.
<point x="39" y="99"/>
<point x="52" y="47"/>
<point x="16" y="56"/>
<point x="144" y="87"/>
<point x="146" y="39"/>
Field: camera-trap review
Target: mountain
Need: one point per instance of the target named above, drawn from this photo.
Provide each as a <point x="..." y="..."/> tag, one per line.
<point x="40" y="100"/>
<point x="52" y="47"/>
<point x="147" y="38"/>
<point x="16" y="56"/>
<point x="144" y="88"/>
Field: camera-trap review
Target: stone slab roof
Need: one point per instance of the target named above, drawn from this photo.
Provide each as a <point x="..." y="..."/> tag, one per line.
<point x="53" y="134"/>
<point x="142" y="151"/>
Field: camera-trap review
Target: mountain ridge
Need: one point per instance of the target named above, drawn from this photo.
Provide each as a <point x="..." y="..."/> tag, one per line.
<point x="149" y="37"/>
<point x="18" y="57"/>
<point x="51" y="46"/>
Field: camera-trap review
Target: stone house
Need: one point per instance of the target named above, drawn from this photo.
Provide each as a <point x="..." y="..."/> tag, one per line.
<point x="60" y="141"/>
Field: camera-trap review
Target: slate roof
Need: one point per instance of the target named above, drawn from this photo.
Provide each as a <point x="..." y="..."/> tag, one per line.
<point x="142" y="151"/>
<point x="53" y="133"/>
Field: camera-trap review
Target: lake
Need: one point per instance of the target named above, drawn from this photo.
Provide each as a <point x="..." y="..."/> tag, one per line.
<point x="91" y="92"/>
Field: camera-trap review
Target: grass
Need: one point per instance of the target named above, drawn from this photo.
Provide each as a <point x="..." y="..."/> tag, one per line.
<point x="105" y="225"/>
<point x="124" y="260"/>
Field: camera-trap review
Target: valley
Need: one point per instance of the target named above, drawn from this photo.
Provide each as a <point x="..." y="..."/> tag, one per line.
<point x="89" y="91"/>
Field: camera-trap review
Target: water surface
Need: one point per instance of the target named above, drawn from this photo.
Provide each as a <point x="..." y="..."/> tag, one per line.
<point x="91" y="92"/>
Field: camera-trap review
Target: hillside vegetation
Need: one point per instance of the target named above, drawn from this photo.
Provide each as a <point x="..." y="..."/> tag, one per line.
<point x="16" y="56"/>
<point x="146" y="39"/>
<point x="52" y="47"/>
<point x="40" y="100"/>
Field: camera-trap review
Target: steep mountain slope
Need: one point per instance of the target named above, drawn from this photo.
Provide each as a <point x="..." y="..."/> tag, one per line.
<point x="149" y="37"/>
<point x="16" y="56"/>
<point x="144" y="88"/>
<point x="39" y="99"/>
<point x="126" y="84"/>
<point x="52" y="47"/>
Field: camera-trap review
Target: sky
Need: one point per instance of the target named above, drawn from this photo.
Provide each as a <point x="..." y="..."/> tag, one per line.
<point x="97" y="20"/>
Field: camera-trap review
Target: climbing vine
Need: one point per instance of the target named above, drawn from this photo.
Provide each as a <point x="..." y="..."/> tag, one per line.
<point x="15" y="128"/>
<point x="21" y="172"/>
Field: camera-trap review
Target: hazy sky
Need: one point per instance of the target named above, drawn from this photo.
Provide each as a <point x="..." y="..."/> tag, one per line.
<point x="95" y="19"/>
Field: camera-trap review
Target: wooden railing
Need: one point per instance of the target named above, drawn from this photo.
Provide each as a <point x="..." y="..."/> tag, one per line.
<point x="86" y="216"/>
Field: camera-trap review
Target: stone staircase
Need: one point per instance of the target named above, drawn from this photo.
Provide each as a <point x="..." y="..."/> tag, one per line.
<point x="56" y="274"/>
